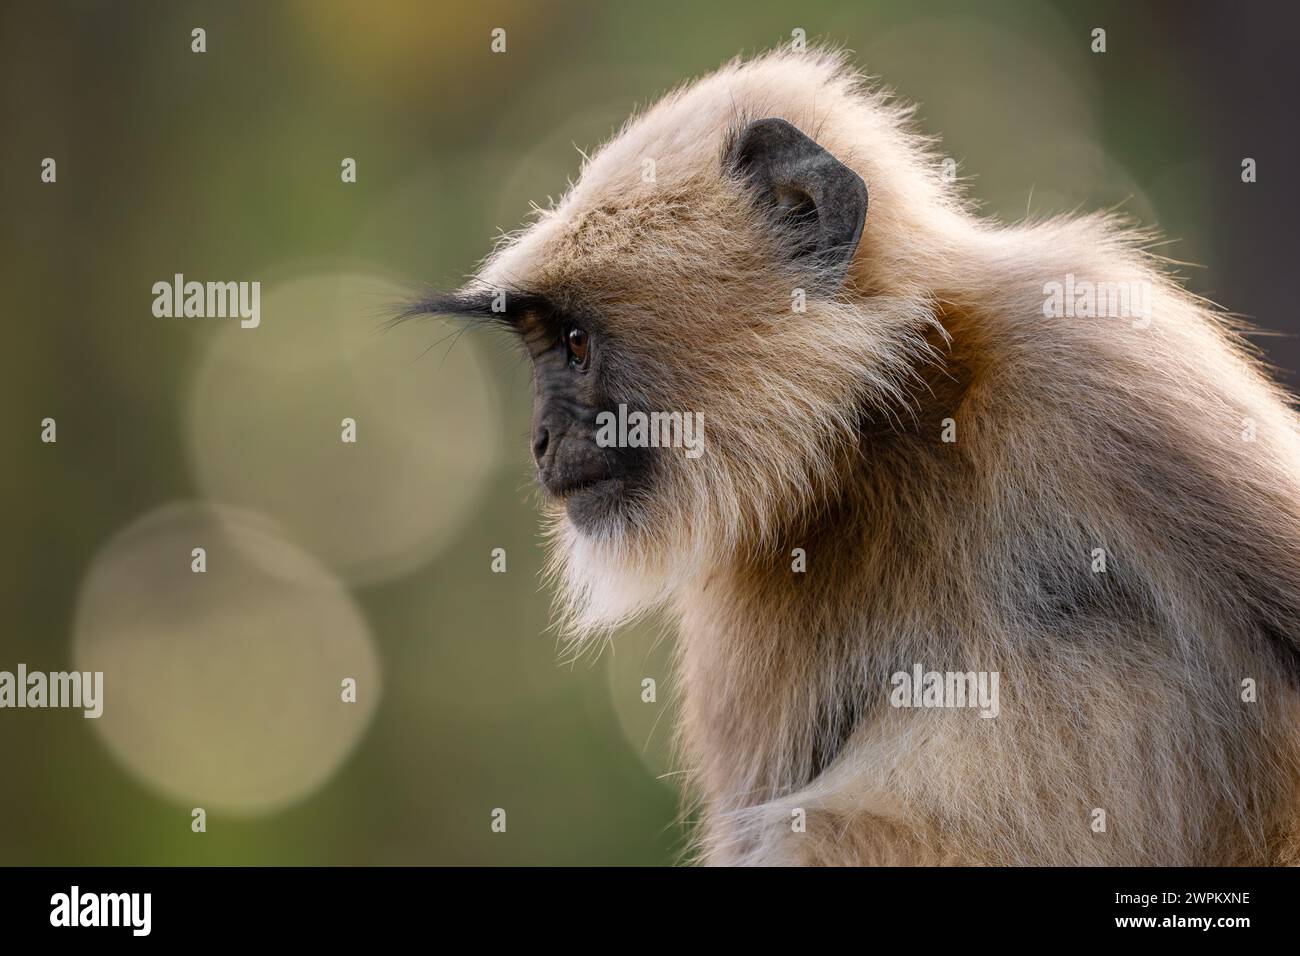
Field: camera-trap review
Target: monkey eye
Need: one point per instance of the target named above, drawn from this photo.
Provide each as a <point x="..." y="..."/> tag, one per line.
<point x="579" y="347"/>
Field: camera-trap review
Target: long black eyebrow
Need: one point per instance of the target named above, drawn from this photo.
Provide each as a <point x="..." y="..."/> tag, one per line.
<point x="494" y="305"/>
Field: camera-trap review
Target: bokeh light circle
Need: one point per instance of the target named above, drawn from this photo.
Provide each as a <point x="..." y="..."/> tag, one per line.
<point x="640" y="653"/>
<point x="267" y="423"/>
<point x="223" y="689"/>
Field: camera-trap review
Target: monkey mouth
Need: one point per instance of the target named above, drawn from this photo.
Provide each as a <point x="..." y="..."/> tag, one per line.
<point x="597" y="493"/>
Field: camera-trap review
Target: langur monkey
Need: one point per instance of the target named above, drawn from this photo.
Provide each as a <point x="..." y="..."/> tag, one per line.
<point x="919" y="474"/>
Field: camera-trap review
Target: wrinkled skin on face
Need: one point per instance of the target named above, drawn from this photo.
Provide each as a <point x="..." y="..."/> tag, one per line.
<point x="572" y="370"/>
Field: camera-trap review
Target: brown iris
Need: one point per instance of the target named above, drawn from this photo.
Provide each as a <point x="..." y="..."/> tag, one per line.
<point x="579" y="347"/>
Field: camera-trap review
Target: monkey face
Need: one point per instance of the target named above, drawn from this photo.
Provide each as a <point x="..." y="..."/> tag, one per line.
<point x="595" y="482"/>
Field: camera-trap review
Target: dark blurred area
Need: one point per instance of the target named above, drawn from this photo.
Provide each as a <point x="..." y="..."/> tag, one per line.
<point x="374" y="560"/>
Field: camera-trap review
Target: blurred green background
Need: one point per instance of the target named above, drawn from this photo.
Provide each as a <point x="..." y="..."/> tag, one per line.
<point x="373" y="560"/>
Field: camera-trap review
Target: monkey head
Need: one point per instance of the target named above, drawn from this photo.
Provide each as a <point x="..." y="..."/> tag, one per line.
<point x="709" y="268"/>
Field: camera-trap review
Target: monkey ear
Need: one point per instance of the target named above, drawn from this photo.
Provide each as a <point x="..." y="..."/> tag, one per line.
<point x="812" y="194"/>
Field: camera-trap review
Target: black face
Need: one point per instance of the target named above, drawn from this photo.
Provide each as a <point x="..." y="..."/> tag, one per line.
<point x="572" y="366"/>
<point x="575" y="368"/>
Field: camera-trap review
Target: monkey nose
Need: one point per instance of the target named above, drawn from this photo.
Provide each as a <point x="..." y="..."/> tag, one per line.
<point x="541" y="438"/>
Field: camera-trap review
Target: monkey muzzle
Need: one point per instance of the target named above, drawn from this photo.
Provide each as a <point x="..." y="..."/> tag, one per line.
<point x="591" y="480"/>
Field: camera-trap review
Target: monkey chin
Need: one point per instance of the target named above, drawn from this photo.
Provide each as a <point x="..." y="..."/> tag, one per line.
<point x="600" y="509"/>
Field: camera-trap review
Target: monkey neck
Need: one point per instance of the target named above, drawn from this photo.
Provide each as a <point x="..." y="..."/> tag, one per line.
<point x="776" y="657"/>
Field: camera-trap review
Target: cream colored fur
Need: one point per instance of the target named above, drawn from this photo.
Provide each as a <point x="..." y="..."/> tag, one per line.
<point x="1119" y="691"/>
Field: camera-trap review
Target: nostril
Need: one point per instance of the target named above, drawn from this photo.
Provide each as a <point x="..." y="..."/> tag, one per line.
<point x="541" y="439"/>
